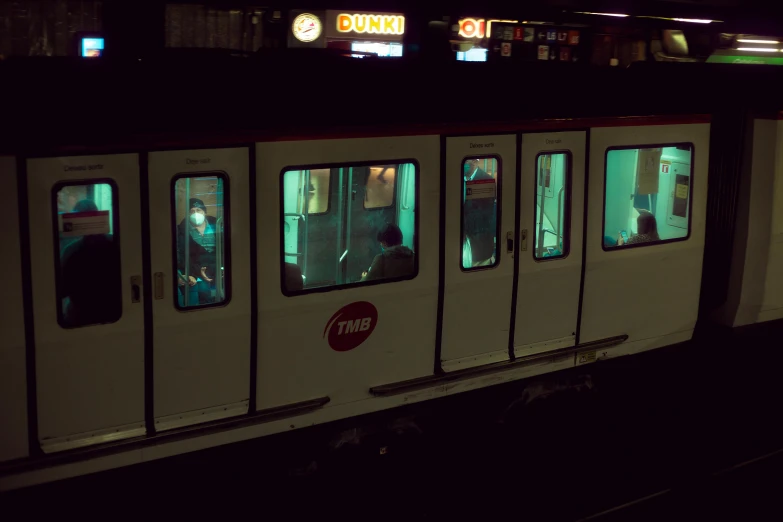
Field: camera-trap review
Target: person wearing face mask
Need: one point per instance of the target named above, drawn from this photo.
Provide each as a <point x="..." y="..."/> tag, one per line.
<point x="202" y="265"/>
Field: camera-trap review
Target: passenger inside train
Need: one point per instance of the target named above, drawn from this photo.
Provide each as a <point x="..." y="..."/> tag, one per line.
<point x="335" y="220"/>
<point x="479" y="212"/>
<point x="200" y="240"/>
<point x="90" y="281"/>
<point x="647" y="195"/>
<point x="395" y="259"/>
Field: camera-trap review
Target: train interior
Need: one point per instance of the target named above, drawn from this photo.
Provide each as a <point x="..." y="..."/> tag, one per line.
<point x="479" y="211"/>
<point x="87" y="249"/>
<point x="551" y="205"/>
<point x="200" y="216"/>
<point x="332" y="217"/>
<point x="647" y="182"/>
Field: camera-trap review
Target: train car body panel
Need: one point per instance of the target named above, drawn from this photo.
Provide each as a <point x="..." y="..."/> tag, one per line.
<point x="90" y="363"/>
<point x="551" y="222"/>
<point x="201" y="333"/>
<point x="478" y="281"/>
<point x="306" y="340"/>
<point x="646" y="291"/>
<point x="755" y="292"/>
<point x="13" y="375"/>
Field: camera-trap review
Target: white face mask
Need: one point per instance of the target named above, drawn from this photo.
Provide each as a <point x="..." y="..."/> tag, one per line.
<point x="197" y="219"/>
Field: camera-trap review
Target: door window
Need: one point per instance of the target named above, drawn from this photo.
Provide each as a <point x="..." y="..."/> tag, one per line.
<point x="365" y="234"/>
<point x="88" y="272"/>
<point x="201" y="247"/>
<point x="479" y="222"/>
<point x="552" y="206"/>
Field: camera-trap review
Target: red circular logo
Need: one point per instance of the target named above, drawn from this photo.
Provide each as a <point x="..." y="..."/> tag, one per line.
<point x="351" y="325"/>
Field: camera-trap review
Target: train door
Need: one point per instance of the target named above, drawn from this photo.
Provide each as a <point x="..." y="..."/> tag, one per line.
<point x="479" y="250"/>
<point x="200" y="251"/>
<point x="86" y="268"/>
<point x="13" y="382"/>
<point x="646" y="220"/>
<point x="550" y="223"/>
<point x="348" y="266"/>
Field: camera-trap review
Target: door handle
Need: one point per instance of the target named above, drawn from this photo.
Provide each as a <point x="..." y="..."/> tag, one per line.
<point x="510" y="243"/>
<point x="523" y="239"/>
<point x="135" y="282"/>
<point x="158" y="285"/>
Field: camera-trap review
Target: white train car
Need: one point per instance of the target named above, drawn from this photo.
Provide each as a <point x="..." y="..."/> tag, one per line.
<point x="755" y="291"/>
<point x="525" y="249"/>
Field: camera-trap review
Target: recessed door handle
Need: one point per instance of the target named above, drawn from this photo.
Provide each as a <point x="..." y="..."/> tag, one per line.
<point x="135" y="282"/>
<point x="159" y="290"/>
<point x="510" y="242"/>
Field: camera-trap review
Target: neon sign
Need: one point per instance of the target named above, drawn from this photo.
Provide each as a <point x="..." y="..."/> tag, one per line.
<point x="371" y="24"/>
<point x="479" y="28"/>
<point x="472" y="28"/>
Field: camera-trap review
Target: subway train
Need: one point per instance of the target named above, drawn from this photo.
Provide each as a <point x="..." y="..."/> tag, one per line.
<point x="193" y="265"/>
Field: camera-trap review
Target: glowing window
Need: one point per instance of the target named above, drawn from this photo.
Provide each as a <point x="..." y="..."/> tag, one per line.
<point x="368" y="235"/>
<point x="648" y="195"/>
<point x="89" y="278"/>
<point x="201" y="253"/>
<point x="480" y="183"/>
<point x="552" y="206"/>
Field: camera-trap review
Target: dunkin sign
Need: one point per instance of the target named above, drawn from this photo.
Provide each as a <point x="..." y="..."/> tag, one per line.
<point x="350" y="326"/>
<point x="370" y="24"/>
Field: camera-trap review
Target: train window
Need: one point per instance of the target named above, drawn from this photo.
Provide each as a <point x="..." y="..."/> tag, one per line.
<point x="379" y="189"/>
<point x="552" y="205"/>
<point x="89" y="277"/>
<point x="480" y="182"/>
<point x="347" y="245"/>
<point x="201" y="250"/>
<point x="648" y="195"/>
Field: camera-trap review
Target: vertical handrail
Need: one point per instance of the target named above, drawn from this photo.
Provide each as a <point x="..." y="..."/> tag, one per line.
<point x="405" y="180"/>
<point x="349" y="212"/>
<point x="306" y="215"/>
<point x="220" y="286"/>
<point x="540" y="230"/>
<point x="186" y="246"/>
<point x="339" y="242"/>
<point x="559" y="216"/>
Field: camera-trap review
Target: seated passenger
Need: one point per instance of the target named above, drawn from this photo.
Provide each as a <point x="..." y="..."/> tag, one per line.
<point x="647" y="230"/>
<point x="202" y="270"/>
<point x="293" y="278"/>
<point x="395" y="260"/>
<point x="91" y="278"/>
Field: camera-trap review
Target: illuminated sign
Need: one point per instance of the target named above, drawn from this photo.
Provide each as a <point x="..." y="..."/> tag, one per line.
<point x="371" y="24"/>
<point x="92" y="47"/>
<point x="306" y="27"/>
<point x="478" y="28"/>
<point x="471" y="28"/>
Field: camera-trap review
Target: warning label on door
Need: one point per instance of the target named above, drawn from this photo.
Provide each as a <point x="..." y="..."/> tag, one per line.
<point x="682" y="191"/>
<point x="480" y="189"/>
<point x="76" y="224"/>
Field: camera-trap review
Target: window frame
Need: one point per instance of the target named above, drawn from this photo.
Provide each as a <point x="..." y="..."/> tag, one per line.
<point x="567" y="202"/>
<point x="498" y="212"/>
<point x="58" y="276"/>
<point x="221" y="174"/>
<point x="348" y="164"/>
<point x="687" y="236"/>
<point x="394" y="194"/>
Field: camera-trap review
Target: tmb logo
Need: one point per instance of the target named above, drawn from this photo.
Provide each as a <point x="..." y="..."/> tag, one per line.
<point x="351" y="325"/>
